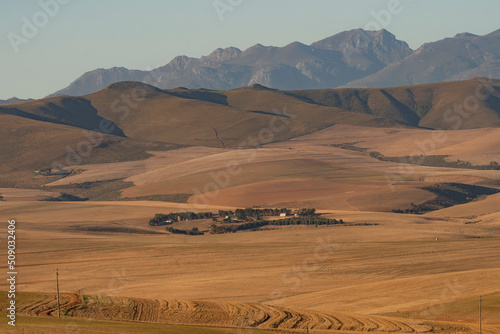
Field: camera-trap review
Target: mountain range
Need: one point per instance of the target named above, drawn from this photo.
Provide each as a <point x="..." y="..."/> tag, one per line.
<point x="13" y="100"/>
<point x="355" y="58"/>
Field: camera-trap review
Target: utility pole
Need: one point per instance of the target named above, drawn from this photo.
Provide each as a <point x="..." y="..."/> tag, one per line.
<point x="58" y="303"/>
<point x="480" y="319"/>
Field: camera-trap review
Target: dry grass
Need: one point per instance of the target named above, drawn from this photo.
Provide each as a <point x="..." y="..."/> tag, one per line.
<point x="222" y="314"/>
<point x="29" y="324"/>
<point x="380" y="263"/>
<point x="421" y="105"/>
<point x="305" y="171"/>
<point x="394" y="266"/>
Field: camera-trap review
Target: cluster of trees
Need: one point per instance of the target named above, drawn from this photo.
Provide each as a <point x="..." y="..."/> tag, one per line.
<point x="422" y="160"/>
<point x="50" y="172"/>
<point x="250" y="217"/>
<point x="448" y="194"/>
<point x="310" y="220"/>
<point x="434" y="161"/>
<point x="193" y="231"/>
<point x="244" y="214"/>
<point x="350" y="146"/>
<point x="306" y="212"/>
<point x="414" y="209"/>
<point x="221" y="229"/>
<point x="65" y="197"/>
<point x="160" y="218"/>
<point x="492" y="166"/>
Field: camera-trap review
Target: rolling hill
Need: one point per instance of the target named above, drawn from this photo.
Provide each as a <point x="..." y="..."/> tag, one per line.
<point x="297" y="141"/>
<point x="456" y="105"/>
<point x="133" y="117"/>
<point x="100" y="166"/>
<point x="193" y="116"/>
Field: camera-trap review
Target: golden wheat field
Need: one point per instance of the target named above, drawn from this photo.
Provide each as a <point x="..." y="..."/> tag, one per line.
<point x="381" y="271"/>
<point x="250" y="167"/>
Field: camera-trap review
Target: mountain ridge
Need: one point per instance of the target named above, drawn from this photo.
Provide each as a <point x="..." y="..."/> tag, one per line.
<point x="459" y="58"/>
<point x="354" y="58"/>
<point x="322" y="64"/>
<point x="13" y="100"/>
<point x="423" y="106"/>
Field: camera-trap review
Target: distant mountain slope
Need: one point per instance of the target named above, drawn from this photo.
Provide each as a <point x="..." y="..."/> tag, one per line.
<point x="29" y="145"/>
<point x="35" y="134"/>
<point x="459" y="58"/>
<point x="96" y="80"/>
<point x="73" y="111"/>
<point x="13" y="100"/>
<point x="202" y="117"/>
<point x="42" y="134"/>
<point x="437" y="106"/>
<point x="355" y="58"/>
<point x="328" y="63"/>
<point x="364" y="49"/>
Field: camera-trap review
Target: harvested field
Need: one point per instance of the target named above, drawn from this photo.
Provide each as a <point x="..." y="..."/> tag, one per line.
<point x="225" y="314"/>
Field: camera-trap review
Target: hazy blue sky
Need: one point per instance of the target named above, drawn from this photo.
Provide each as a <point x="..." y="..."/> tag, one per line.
<point x="87" y="34"/>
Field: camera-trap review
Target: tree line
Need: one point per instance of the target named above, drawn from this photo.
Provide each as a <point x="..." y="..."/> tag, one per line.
<point x="310" y="220"/>
<point x="161" y="219"/>
<point x="242" y="219"/>
<point x="193" y="231"/>
<point x="243" y="214"/>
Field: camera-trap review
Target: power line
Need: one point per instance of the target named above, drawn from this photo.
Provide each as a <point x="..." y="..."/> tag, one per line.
<point x="58" y="303"/>
<point x="480" y="318"/>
